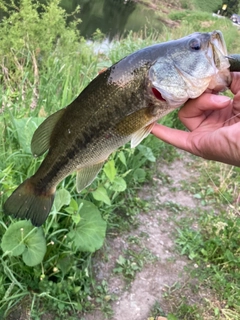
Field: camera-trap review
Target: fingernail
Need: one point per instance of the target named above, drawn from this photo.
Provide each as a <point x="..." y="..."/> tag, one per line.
<point x="219" y="99"/>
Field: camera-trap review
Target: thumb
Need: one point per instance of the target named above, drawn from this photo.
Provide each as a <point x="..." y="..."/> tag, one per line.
<point x="195" y="111"/>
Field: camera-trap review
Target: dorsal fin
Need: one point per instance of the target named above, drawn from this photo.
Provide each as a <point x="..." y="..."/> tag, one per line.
<point x="41" y="138"/>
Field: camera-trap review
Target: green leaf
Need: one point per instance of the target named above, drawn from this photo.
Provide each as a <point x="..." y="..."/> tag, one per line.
<point x="65" y="263"/>
<point x="25" y="128"/>
<point x="101" y="195"/>
<point x="74" y="210"/>
<point x="62" y="198"/>
<point x="12" y="238"/>
<point x="11" y="241"/>
<point x="74" y="204"/>
<point x="197" y="196"/>
<point x="36" y="248"/>
<point x="119" y="184"/>
<point x="73" y="207"/>
<point x="139" y="175"/>
<point x="76" y="218"/>
<point x="121" y="260"/>
<point x="110" y="170"/>
<point x="22" y="238"/>
<point x="90" y="232"/>
<point x="146" y="152"/>
<point x="122" y="158"/>
<point x="229" y="256"/>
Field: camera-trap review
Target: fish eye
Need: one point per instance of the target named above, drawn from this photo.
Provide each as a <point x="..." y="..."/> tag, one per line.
<point x="195" y="44"/>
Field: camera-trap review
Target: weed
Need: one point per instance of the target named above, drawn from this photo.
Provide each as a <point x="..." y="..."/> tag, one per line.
<point x="177" y="300"/>
<point x="213" y="245"/>
<point x="103" y="298"/>
<point x="156" y="310"/>
<point x="134" y="240"/>
<point x="133" y="262"/>
<point x="127" y="267"/>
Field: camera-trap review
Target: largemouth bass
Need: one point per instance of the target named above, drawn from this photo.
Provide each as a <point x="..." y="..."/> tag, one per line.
<point x="120" y="105"/>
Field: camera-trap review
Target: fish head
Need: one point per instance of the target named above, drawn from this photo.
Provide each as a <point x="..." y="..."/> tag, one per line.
<point x="189" y="67"/>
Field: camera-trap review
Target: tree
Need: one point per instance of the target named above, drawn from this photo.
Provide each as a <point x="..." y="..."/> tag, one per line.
<point x="232" y="7"/>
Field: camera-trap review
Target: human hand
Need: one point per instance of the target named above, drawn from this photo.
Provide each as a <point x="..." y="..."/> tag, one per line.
<point x="214" y="125"/>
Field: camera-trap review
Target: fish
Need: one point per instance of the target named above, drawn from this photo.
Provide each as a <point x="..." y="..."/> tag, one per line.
<point x="120" y="104"/>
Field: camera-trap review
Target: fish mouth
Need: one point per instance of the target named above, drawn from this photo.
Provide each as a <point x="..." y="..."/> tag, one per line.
<point x="217" y="55"/>
<point x="219" y="50"/>
<point x="197" y="63"/>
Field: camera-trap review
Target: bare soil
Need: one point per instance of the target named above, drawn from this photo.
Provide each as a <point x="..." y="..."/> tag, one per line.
<point x="136" y="299"/>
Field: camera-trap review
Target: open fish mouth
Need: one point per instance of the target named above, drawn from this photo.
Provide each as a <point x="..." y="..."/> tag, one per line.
<point x="191" y="68"/>
<point x="219" y="50"/>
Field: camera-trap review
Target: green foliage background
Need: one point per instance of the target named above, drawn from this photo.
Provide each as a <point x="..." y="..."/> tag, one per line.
<point x="208" y="6"/>
<point x="232" y="7"/>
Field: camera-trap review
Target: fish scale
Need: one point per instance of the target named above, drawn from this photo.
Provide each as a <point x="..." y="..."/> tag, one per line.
<point x="120" y="105"/>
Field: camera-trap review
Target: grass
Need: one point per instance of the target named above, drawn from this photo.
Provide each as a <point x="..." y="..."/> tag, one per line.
<point x="209" y="237"/>
<point x="212" y="246"/>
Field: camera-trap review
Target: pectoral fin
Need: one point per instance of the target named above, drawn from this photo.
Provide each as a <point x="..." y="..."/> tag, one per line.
<point x="86" y="175"/>
<point x="136" y="125"/>
<point x="141" y="134"/>
<point x="41" y="138"/>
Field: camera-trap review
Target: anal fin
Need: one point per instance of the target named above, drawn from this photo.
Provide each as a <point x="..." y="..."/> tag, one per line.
<point x="86" y="175"/>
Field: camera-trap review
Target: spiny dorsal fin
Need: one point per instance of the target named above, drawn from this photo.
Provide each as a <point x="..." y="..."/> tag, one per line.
<point x="86" y="175"/>
<point x="41" y="137"/>
<point x="139" y="135"/>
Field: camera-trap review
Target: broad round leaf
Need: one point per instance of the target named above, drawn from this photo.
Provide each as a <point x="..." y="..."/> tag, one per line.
<point x="25" y="128"/>
<point x="62" y="198"/>
<point x="36" y="248"/>
<point x="90" y="231"/>
<point x="12" y="238"/>
<point x="22" y="238"/>
<point x="139" y="175"/>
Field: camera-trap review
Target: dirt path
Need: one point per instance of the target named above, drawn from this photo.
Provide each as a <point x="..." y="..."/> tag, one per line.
<point x="163" y="266"/>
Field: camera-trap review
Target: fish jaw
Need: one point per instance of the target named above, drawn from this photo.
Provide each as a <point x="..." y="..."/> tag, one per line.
<point x="198" y="63"/>
<point x="218" y="55"/>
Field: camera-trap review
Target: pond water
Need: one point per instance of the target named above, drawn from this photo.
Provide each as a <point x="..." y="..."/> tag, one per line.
<point x="112" y="17"/>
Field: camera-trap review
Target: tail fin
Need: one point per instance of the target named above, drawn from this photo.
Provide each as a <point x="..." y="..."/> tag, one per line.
<point x="27" y="203"/>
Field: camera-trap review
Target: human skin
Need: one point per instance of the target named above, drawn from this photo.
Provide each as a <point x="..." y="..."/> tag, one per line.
<point x="213" y="122"/>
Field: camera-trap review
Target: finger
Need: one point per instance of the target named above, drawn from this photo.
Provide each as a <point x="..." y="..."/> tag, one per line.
<point x="235" y="85"/>
<point x="236" y="105"/>
<point x="177" y="138"/>
<point x="195" y="111"/>
<point x="219" y="146"/>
